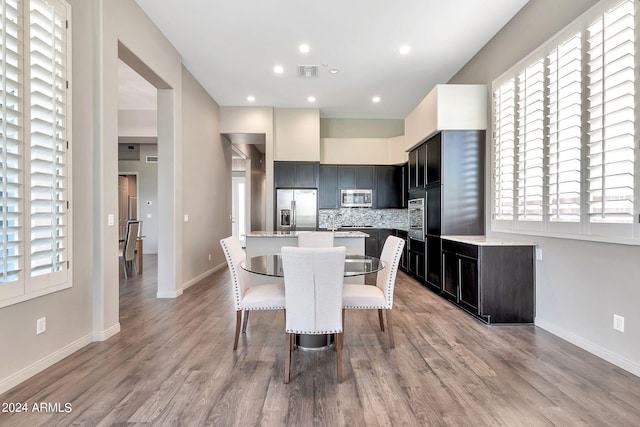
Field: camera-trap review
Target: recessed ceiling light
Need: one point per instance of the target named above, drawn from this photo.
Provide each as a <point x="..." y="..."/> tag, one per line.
<point x="251" y="98"/>
<point x="404" y="49"/>
<point x="278" y="69"/>
<point x="334" y="71"/>
<point x="304" y="48"/>
<point x="375" y="99"/>
<point x="311" y="99"/>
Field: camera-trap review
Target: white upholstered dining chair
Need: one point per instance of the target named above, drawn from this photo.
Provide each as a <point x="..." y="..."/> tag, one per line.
<point x="313" y="296"/>
<point x="245" y="298"/>
<point x="315" y="239"/>
<point x="378" y="297"/>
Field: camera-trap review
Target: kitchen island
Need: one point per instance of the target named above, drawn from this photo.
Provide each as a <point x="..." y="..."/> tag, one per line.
<point x="271" y="242"/>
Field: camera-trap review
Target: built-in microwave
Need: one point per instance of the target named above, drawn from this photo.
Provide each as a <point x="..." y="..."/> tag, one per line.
<point x="356" y="198"/>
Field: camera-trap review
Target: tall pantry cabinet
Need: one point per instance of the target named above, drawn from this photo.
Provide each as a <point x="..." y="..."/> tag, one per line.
<point x="452" y="171"/>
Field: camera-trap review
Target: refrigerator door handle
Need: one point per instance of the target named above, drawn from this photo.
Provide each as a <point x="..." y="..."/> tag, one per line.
<point x="293" y="213"/>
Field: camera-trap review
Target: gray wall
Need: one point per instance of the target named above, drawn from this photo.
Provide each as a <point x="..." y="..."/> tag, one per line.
<point x="579" y="284"/>
<point x="89" y="310"/>
<point x="147" y="192"/>
<point x="206" y="189"/>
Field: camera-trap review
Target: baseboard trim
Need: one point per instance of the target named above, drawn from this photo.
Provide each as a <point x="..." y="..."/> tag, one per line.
<point x="203" y="275"/>
<point x="107" y="333"/>
<point x="603" y="353"/>
<point x="24" y="374"/>
<point x="173" y="294"/>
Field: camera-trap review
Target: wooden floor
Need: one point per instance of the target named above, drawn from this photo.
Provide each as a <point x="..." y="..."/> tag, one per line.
<point x="172" y="365"/>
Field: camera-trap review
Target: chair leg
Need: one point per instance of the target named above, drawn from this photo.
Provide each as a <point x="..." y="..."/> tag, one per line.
<point x="392" y="344"/>
<point x="339" y="355"/>
<point x="287" y="360"/>
<point x="381" y="321"/>
<point x="238" y="320"/>
<point x="124" y="265"/>
<point x="343" y="311"/>
<point x="245" y="321"/>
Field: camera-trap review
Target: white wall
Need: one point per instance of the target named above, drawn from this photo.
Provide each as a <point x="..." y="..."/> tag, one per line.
<point x="579" y="284"/>
<point x="296" y="134"/>
<point x="363" y="151"/>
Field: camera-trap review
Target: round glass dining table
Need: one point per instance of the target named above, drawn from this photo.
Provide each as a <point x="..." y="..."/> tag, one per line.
<point x="271" y="265"/>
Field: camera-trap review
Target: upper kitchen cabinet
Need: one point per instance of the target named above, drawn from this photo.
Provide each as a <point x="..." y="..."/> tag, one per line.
<point x="297" y="134"/>
<point x="328" y="194"/>
<point x="356" y="177"/>
<point x="447" y="107"/>
<point x="295" y="174"/>
<point x="390" y="189"/>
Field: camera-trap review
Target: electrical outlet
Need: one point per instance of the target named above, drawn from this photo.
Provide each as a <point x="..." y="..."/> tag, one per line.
<point x="186" y="217"/>
<point x="618" y="323"/>
<point x="41" y="325"/>
<point x="539" y="254"/>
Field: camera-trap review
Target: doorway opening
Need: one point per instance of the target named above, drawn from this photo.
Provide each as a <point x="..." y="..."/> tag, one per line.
<point x="137" y="167"/>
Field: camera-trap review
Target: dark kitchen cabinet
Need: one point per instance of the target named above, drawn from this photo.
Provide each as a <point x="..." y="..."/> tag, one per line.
<point x="356" y="177"/>
<point x="434" y="159"/>
<point x="383" y="233"/>
<point x="433" y="265"/>
<point x="494" y="282"/>
<point x="416" y="261"/>
<point x="389" y="187"/>
<point x="454" y="194"/>
<point x="295" y="174"/>
<point x="402" y="234"/>
<point x="328" y="194"/>
<point x="417" y="166"/>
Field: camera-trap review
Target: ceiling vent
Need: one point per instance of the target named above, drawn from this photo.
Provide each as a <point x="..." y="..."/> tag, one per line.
<point x="308" y="70"/>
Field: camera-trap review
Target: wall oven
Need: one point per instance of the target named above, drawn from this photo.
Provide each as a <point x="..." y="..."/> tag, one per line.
<point x="356" y="198"/>
<point x="416" y="219"/>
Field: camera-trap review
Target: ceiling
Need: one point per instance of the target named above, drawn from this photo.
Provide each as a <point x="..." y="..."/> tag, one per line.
<point x="231" y="48"/>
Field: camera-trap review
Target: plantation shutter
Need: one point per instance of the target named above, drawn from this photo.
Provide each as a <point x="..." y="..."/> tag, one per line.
<point x="48" y="141"/>
<point x="530" y="137"/>
<point x="611" y="116"/>
<point x="565" y="131"/>
<point x="11" y="178"/>
<point x="504" y="154"/>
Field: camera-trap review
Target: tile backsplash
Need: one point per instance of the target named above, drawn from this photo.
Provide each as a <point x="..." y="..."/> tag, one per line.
<point x="379" y="218"/>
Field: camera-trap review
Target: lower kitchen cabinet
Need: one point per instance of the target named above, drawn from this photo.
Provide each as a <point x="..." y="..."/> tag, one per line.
<point x="416" y="261"/>
<point x="402" y="234"/>
<point x="493" y="280"/>
<point x="433" y="262"/>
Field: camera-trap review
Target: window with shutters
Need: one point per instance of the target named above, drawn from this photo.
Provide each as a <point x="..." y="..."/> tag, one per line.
<point x="34" y="149"/>
<point x="565" y="157"/>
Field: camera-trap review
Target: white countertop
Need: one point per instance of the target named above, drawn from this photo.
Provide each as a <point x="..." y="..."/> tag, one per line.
<point x="486" y="241"/>
<point x="336" y="234"/>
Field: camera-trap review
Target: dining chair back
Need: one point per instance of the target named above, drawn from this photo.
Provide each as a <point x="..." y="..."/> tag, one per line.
<point x="315" y="239"/>
<point x="313" y="296"/>
<point x="246" y="298"/>
<point x="128" y="254"/>
<point x="378" y="297"/>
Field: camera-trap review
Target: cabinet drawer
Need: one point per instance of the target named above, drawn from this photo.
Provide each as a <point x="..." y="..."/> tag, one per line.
<point x="460" y="248"/>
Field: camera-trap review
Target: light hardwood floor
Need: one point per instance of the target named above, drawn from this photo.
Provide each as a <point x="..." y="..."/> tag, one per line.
<point x="173" y="365"/>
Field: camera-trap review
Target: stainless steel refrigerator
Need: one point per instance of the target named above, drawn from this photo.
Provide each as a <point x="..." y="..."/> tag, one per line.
<point x="296" y="209"/>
